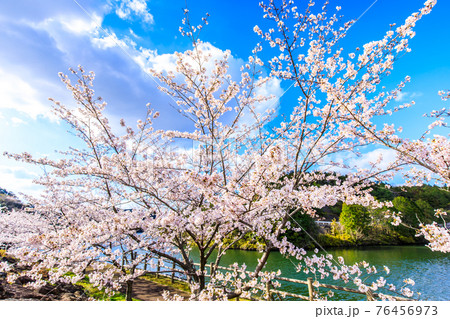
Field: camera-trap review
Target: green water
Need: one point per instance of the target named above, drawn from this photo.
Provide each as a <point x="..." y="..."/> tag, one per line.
<point x="430" y="270"/>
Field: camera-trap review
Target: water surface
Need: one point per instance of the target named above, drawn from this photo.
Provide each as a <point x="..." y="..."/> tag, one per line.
<point x="430" y="270"/>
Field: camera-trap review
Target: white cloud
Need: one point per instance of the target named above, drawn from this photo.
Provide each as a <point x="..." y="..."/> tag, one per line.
<point x="110" y="41"/>
<point x="401" y="96"/>
<point x="388" y="156"/>
<point x="18" y="180"/>
<point x="269" y="88"/>
<point x="17" y="121"/>
<point x="147" y="58"/>
<point x="347" y="162"/>
<point x="70" y="32"/>
<point x="81" y="26"/>
<point x="36" y="47"/>
<point x="127" y="8"/>
<point x="18" y="94"/>
<point x="73" y="24"/>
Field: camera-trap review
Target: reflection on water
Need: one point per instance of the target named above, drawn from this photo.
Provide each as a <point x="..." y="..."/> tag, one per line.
<point x="430" y="270"/>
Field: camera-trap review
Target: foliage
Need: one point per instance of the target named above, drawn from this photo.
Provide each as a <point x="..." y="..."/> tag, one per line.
<point x="336" y="237"/>
<point x="380" y="231"/>
<point x="409" y="214"/>
<point x="355" y="218"/>
<point x="382" y="192"/>
<point x="304" y="223"/>
<point x="247" y="242"/>
<point x="436" y="197"/>
<point x="426" y="211"/>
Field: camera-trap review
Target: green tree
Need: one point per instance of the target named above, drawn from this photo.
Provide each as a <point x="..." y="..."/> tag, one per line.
<point x="308" y="224"/>
<point x="382" y="192"/>
<point x="355" y="218"/>
<point x="410" y="214"/>
<point x="426" y="211"/>
<point x="409" y="210"/>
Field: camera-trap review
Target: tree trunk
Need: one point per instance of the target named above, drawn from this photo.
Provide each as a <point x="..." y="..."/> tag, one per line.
<point x="129" y="290"/>
<point x="201" y="278"/>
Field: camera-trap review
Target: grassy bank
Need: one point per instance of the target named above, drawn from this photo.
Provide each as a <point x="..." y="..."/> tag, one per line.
<point x="99" y="294"/>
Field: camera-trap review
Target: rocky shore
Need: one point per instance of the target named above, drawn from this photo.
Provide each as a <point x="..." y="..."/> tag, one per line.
<point x="19" y="290"/>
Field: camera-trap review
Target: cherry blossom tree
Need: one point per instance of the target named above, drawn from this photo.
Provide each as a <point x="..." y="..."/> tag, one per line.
<point x="243" y="175"/>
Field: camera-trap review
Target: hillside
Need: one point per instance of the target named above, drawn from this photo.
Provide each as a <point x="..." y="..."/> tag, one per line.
<point x="9" y="200"/>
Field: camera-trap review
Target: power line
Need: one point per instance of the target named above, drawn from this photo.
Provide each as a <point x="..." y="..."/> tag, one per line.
<point x="362" y="14"/>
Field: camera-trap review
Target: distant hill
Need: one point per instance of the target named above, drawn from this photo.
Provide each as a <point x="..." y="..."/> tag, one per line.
<point x="9" y="200"/>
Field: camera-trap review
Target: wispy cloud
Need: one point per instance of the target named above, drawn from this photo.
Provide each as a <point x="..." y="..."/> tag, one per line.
<point x="405" y="96"/>
<point x="134" y="34"/>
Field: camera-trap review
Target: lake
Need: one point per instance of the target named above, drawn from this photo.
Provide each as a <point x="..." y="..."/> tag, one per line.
<point x="430" y="270"/>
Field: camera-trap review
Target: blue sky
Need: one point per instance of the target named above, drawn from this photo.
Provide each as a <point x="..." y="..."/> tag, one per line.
<point x="38" y="39"/>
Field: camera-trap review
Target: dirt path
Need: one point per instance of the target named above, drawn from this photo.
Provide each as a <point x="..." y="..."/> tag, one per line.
<point x="142" y="289"/>
<point x="147" y="290"/>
